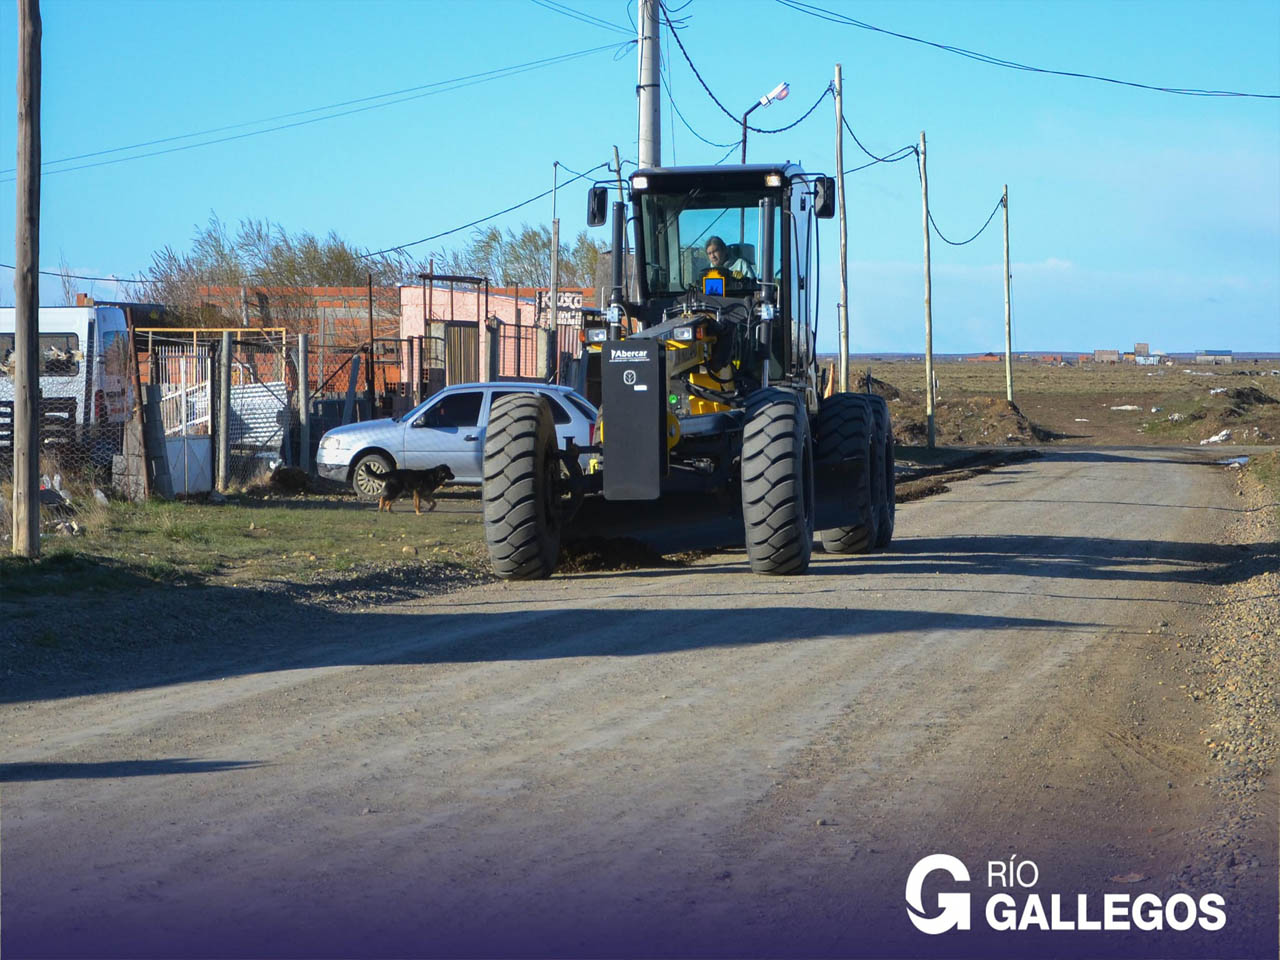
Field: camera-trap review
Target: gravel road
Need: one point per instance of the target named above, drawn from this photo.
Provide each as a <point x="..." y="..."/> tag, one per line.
<point x="672" y="762"/>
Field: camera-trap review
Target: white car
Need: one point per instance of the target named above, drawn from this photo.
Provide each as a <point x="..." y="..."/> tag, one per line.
<point x="447" y="428"/>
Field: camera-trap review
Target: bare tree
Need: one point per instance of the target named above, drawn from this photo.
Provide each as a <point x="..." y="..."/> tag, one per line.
<point x="264" y="263"/>
<point x="67" y="282"/>
<point x="509" y="257"/>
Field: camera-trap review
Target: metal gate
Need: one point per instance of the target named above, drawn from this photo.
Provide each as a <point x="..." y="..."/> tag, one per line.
<point x="261" y="414"/>
<point x="461" y="353"/>
<point x="184" y="373"/>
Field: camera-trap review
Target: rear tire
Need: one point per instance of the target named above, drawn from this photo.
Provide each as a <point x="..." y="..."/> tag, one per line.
<point x="777" y="483"/>
<point x="887" y="506"/>
<point x="364" y="481"/>
<point x="522" y="516"/>
<point x="846" y="431"/>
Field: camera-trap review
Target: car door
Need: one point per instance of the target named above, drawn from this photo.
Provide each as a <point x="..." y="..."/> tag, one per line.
<point x="447" y="432"/>
<point x="559" y="413"/>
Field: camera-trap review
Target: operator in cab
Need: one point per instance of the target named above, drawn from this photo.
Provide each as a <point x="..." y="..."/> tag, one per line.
<point x="718" y="256"/>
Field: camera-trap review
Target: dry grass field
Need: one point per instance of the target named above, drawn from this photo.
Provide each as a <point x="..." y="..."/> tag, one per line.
<point x="1076" y="404"/>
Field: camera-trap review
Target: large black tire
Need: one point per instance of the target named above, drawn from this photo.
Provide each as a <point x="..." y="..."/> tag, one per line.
<point x="887" y="504"/>
<point x="846" y="431"/>
<point x="365" y="482"/>
<point x="777" y="483"/>
<point x="522" y="514"/>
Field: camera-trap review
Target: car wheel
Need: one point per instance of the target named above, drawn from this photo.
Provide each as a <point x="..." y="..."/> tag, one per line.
<point x="364" y="481"/>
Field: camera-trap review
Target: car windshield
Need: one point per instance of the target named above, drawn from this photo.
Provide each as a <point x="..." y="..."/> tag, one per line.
<point x="699" y="235"/>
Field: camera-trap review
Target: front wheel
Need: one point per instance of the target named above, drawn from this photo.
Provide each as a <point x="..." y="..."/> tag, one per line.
<point x="367" y="483"/>
<point x="522" y="510"/>
<point x="777" y="483"/>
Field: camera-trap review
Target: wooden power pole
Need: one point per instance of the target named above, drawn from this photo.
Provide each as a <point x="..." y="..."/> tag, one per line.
<point x="842" y="308"/>
<point x="555" y="251"/>
<point x="1008" y="313"/>
<point x="26" y="290"/>
<point x="928" y="308"/>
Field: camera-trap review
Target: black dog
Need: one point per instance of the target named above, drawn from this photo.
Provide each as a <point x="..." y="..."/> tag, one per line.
<point x="421" y="483"/>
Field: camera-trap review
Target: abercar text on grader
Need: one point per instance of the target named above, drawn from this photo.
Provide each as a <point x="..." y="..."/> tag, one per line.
<point x="709" y="384"/>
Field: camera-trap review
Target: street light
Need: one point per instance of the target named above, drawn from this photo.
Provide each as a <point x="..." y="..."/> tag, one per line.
<point x="777" y="93"/>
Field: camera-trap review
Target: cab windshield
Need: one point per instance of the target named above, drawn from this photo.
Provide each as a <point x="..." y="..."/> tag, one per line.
<point x="690" y="237"/>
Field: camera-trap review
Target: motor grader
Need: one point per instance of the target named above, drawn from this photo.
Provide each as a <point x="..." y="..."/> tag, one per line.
<point x="711" y="399"/>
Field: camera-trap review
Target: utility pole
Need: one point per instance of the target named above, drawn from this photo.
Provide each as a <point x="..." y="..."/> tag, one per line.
<point x="928" y="307"/>
<point x="26" y="290"/>
<point x="368" y="370"/>
<point x="617" y="168"/>
<point x="842" y="308"/>
<point x="224" y="411"/>
<point x="648" y="91"/>
<point x="1008" y="314"/>
<point x="555" y="250"/>
<point x="304" y="402"/>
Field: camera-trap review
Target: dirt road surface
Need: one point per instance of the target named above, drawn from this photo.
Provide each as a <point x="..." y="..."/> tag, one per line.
<point x="671" y="762"/>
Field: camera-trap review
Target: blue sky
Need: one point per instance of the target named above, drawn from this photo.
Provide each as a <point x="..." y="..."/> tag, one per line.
<point x="1135" y="215"/>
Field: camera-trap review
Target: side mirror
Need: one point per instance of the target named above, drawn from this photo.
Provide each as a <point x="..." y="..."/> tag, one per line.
<point x="824" y="198"/>
<point x="597" y="206"/>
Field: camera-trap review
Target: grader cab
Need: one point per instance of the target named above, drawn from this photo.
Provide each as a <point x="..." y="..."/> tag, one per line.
<point x="709" y="383"/>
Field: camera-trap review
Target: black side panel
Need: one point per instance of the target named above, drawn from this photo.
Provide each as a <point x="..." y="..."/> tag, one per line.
<point x="633" y="386"/>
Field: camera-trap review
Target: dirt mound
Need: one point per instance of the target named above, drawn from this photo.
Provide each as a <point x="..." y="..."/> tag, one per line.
<point x="878" y="387"/>
<point x="984" y="420"/>
<point x="913" y="433"/>
<point x="1250" y="397"/>
<point x="592" y="554"/>
<point x="977" y="421"/>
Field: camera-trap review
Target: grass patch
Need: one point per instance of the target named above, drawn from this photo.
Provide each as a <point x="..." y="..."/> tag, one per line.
<point x="1075" y="403"/>
<point x="132" y="546"/>
<point x="1264" y="469"/>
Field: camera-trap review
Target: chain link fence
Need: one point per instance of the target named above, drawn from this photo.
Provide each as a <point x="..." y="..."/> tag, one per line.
<point x="85" y="395"/>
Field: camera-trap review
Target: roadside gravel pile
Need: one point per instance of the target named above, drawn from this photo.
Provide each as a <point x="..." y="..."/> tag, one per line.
<point x="971" y="420"/>
<point x="1234" y="667"/>
<point x="878" y="387"/>
<point x="372" y="584"/>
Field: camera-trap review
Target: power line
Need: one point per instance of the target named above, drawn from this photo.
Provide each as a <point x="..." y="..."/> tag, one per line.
<point x="77" y="276"/>
<point x="665" y="76"/>
<point x="494" y="72"/>
<point x="363" y="256"/>
<point x="832" y="16"/>
<point x="732" y="150"/>
<point x="716" y="100"/>
<point x="491" y="216"/>
<point x="903" y="152"/>
<point x="455" y="83"/>
<point x="580" y="15"/>
<point x="688" y="126"/>
<point x="961" y="243"/>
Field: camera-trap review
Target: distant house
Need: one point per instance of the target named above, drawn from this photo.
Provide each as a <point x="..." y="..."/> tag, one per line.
<point x="1214" y="356"/>
<point x="1141" y="349"/>
<point x="1106" y="356"/>
<point x="1145" y="361"/>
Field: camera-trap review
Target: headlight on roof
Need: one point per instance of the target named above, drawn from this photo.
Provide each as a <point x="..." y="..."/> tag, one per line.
<point x="597" y="335"/>
<point x="773" y="180"/>
<point x="639" y="183"/>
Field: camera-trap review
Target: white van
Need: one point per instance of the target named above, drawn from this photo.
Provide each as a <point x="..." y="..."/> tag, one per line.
<point x="84" y="376"/>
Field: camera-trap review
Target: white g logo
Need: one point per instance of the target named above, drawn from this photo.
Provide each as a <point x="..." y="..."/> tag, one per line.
<point x="954" y="906"/>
